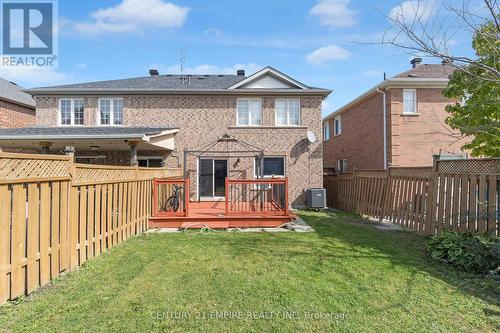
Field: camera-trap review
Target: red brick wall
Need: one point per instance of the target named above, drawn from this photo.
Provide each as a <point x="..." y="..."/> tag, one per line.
<point x="13" y="115"/>
<point x="361" y="141"/>
<point x="416" y="138"/>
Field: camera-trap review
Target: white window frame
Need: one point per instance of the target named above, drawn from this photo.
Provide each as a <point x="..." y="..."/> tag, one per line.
<point x="149" y="158"/>
<point x="111" y="111"/>
<point x="415" y="110"/>
<point x="335" y="119"/>
<point x="270" y="176"/>
<point x="72" y="111"/>
<point x="326" y="130"/>
<point x="344" y="163"/>
<point x="249" y="118"/>
<point x="287" y="101"/>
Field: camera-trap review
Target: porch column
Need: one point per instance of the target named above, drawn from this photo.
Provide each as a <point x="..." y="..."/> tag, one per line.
<point x="45" y="146"/>
<point x="133" y="153"/>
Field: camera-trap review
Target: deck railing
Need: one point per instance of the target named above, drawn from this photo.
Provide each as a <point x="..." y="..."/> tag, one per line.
<point x="267" y="197"/>
<point x="170" y="197"/>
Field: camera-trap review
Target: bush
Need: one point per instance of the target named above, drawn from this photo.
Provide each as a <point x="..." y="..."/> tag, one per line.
<point x="476" y="253"/>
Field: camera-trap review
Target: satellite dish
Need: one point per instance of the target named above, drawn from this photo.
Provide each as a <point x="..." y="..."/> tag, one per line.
<point x="311" y="136"/>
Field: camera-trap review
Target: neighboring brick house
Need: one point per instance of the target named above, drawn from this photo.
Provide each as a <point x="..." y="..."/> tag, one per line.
<point x="415" y="128"/>
<point x="17" y="108"/>
<point x="152" y="120"/>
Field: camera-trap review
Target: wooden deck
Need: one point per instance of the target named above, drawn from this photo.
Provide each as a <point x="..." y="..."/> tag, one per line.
<point x="212" y="214"/>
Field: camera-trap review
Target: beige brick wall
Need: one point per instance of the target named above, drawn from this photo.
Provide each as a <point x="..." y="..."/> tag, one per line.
<point x="14" y="115"/>
<point x="202" y="119"/>
<point x="416" y="138"/>
<point x="361" y="140"/>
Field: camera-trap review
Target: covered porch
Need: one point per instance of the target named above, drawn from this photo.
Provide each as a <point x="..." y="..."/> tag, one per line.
<point x="93" y="145"/>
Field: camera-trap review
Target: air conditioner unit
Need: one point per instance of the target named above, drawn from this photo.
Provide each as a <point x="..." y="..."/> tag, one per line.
<point x="316" y="198"/>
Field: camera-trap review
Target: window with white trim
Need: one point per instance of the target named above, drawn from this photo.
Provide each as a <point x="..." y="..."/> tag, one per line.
<point x="287" y="112"/>
<point x="342" y="166"/>
<point x="111" y="111"/>
<point x="249" y="112"/>
<point x="273" y="167"/>
<point x="409" y="101"/>
<point x="71" y="111"/>
<point x="337" y="128"/>
<point x="326" y="130"/>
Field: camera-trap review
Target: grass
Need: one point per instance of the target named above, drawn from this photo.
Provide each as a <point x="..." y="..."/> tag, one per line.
<point x="348" y="276"/>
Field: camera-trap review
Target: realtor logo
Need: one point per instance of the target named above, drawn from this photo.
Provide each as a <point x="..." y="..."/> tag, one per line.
<point x="28" y="32"/>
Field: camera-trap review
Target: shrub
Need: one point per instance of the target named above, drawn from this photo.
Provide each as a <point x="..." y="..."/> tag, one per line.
<point x="477" y="253"/>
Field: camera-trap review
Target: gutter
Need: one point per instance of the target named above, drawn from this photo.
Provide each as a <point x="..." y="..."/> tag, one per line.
<point x="384" y="122"/>
<point x="92" y="91"/>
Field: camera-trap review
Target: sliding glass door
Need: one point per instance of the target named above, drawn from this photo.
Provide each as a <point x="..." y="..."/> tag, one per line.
<point x="212" y="177"/>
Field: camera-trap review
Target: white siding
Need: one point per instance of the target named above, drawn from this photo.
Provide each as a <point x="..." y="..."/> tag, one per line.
<point x="267" y="82"/>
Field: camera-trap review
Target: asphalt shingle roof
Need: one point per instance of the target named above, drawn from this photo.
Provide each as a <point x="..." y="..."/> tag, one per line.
<point x="160" y="82"/>
<point x="83" y="131"/>
<point x="428" y="71"/>
<point x="12" y="92"/>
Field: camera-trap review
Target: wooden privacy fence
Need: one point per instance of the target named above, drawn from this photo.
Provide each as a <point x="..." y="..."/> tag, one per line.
<point x="460" y="195"/>
<point x="56" y="214"/>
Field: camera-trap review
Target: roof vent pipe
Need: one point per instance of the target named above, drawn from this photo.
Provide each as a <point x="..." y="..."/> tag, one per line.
<point x="415" y="62"/>
<point x="153" y="72"/>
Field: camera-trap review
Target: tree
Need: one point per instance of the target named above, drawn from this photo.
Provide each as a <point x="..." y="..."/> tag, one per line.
<point x="427" y="28"/>
<point x="479" y="114"/>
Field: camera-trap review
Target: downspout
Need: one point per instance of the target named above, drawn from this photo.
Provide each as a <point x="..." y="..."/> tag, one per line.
<point x="384" y="115"/>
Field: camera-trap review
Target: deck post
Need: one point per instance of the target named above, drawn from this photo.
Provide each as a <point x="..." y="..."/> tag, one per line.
<point x="186" y="196"/>
<point x="286" y="196"/>
<point x="227" y="196"/>
<point x="155" y="197"/>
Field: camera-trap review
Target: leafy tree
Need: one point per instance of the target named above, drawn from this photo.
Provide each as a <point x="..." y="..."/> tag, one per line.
<point x="479" y="114"/>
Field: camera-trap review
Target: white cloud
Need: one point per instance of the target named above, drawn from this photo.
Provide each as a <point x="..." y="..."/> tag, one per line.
<point x="334" y="13"/>
<point x="29" y="76"/>
<point x="413" y="10"/>
<point x="326" y="54"/>
<point x="207" y="69"/>
<point x="213" y="31"/>
<point x="81" y="66"/>
<point x="133" y="16"/>
<point x="373" y="73"/>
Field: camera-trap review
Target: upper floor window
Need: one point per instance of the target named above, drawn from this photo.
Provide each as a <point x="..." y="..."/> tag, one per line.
<point x="326" y="130"/>
<point x="409" y="101"/>
<point x="111" y="111"/>
<point x="249" y="112"/>
<point x="71" y="111"/>
<point x="287" y="112"/>
<point x="337" y="121"/>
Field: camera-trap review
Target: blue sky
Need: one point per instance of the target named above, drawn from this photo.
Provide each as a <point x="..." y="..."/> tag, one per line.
<point x="321" y="43"/>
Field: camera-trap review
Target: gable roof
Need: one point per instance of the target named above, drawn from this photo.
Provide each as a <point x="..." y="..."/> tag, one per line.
<point x="11" y="92"/>
<point x="179" y="84"/>
<point x="422" y="76"/>
<point x="272" y="72"/>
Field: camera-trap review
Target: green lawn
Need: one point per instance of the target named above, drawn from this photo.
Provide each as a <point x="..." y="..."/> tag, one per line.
<point x="345" y="277"/>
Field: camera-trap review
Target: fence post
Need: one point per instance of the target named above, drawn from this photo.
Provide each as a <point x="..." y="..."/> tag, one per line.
<point x="155" y="197"/>
<point x="73" y="202"/>
<point x="431" y="198"/>
<point x="385" y="194"/>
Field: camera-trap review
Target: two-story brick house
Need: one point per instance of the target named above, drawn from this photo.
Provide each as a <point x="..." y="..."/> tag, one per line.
<point x="157" y="119"/>
<point x="17" y="108"/>
<point x="399" y="122"/>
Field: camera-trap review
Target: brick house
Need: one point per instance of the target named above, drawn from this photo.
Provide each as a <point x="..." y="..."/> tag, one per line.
<point x="17" y="108"/>
<point x="156" y="120"/>
<point x="414" y="129"/>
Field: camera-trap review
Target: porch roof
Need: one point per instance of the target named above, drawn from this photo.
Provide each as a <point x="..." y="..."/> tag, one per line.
<point x="89" y="138"/>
